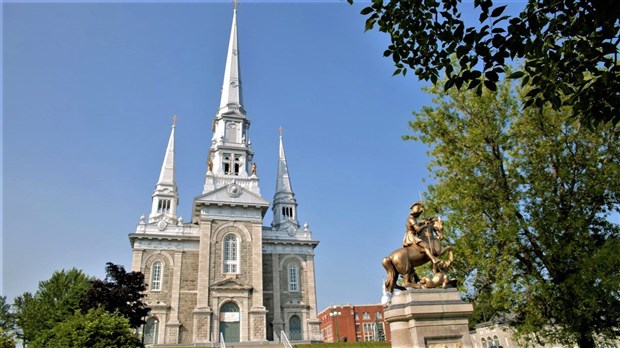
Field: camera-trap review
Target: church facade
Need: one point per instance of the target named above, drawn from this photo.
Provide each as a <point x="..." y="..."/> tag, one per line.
<point x="224" y="274"/>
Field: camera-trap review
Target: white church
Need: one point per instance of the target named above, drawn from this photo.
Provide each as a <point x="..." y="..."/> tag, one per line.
<point x="224" y="274"/>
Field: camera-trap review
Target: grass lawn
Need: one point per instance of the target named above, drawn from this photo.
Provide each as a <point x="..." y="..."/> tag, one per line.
<point x="345" y="345"/>
<point x="336" y="345"/>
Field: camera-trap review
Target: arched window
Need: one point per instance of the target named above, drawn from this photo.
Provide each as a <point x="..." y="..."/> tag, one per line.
<point x="163" y="206"/>
<point x="495" y="341"/>
<point x="484" y="343"/>
<point x="231" y="254"/>
<point x="156" y="276"/>
<point x="287" y="212"/>
<point x="293" y="277"/>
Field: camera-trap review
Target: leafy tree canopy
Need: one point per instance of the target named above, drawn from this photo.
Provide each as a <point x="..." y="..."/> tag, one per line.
<point x="7" y="319"/>
<point x="120" y="292"/>
<point x="55" y="300"/>
<point x="569" y="49"/>
<point x="97" y="328"/>
<point x="7" y="324"/>
<point x="528" y="197"/>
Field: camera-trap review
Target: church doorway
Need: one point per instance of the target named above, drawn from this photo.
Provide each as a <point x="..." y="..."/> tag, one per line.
<point x="150" y="331"/>
<point x="229" y="322"/>
<point x="294" y="328"/>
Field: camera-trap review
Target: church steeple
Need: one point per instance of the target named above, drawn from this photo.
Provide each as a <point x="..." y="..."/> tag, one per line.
<point x="284" y="203"/>
<point x="165" y="196"/>
<point x="231" y="86"/>
<point x="230" y="154"/>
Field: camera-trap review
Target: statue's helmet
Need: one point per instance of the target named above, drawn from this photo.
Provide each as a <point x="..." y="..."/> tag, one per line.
<point x="420" y="204"/>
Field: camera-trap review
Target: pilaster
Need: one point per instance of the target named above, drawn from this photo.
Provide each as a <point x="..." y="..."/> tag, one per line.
<point x="314" y="324"/>
<point x="173" y="320"/>
<point x="136" y="260"/>
<point x="202" y="312"/>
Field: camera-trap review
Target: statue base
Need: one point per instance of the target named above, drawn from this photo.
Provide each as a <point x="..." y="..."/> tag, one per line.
<point x="430" y="318"/>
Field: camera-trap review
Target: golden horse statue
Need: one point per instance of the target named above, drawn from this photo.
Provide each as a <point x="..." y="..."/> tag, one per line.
<point x="403" y="261"/>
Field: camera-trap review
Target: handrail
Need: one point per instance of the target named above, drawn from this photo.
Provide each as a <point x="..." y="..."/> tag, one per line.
<point x="285" y="341"/>
<point x="222" y="342"/>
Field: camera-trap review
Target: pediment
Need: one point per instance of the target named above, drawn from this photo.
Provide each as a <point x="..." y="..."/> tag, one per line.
<point x="232" y="194"/>
<point x="156" y="304"/>
<point x="231" y="284"/>
<point x="295" y="304"/>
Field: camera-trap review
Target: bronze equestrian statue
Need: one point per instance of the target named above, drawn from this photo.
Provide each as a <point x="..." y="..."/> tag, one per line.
<point x="421" y="244"/>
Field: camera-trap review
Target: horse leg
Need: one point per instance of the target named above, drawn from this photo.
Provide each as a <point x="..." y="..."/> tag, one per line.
<point x="450" y="257"/>
<point x="392" y="276"/>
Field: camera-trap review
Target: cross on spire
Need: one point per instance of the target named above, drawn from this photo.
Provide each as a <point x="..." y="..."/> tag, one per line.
<point x="174" y="120"/>
<point x="236" y="2"/>
<point x="281" y="130"/>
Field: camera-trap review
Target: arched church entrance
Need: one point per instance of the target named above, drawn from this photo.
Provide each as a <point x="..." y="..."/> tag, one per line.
<point x="151" y="331"/>
<point x="229" y="322"/>
<point x="294" y="328"/>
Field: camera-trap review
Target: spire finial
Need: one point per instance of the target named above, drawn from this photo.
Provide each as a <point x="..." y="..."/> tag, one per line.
<point x="174" y="120"/>
<point x="236" y="2"/>
<point x="281" y="130"/>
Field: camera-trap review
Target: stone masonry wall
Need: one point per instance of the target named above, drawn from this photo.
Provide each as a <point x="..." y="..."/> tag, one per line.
<point x="189" y="273"/>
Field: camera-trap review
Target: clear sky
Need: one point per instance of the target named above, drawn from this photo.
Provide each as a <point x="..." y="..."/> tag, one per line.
<point x="88" y="93"/>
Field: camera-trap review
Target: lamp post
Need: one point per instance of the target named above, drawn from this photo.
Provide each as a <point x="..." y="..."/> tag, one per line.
<point x="335" y="314"/>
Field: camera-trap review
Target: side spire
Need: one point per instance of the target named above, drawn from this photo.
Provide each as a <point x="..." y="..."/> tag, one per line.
<point x="284" y="202"/>
<point x="165" y="196"/>
<point x="231" y="87"/>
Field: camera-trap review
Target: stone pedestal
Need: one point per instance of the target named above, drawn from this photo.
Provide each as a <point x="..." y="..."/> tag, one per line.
<point x="431" y="318"/>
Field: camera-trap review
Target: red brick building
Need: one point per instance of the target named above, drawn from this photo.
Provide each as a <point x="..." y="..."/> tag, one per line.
<point x="350" y="323"/>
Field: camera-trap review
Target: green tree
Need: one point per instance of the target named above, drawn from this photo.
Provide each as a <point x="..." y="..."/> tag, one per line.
<point x="7" y="324"/>
<point x="379" y="332"/>
<point x="528" y="197"/>
<point x="55" y="300"/>
<point x="569" y="48"/>
<point x="120" y="292"/>
<point x="97" y="328"/>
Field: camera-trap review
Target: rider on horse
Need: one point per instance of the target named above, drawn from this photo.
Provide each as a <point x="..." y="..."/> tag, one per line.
<point x="414" y="230"/>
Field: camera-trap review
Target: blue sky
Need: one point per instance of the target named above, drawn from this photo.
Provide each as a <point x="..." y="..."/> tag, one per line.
<point x="88" y="93"/>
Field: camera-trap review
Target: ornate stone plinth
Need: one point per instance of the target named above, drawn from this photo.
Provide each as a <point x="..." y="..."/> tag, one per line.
<point x="433" y="318"/>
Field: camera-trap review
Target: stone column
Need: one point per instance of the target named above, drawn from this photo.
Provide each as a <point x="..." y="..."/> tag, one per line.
<point x="202" y="312"/>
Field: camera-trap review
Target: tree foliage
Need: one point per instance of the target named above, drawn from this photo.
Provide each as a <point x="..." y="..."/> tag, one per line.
<point x="7" y="324"/>
<point x="56" y="299"/>
<point x="97" y="328"/>
<point x="528" y="196"/>
<point x="569" y="48"/>
<point x="120" y="292"/>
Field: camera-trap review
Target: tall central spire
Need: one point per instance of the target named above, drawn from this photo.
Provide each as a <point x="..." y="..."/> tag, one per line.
<point x="230" y="154"/>
<point x="231" y="86"/>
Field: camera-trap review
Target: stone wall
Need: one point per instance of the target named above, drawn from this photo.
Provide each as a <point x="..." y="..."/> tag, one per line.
<point x="189" y="281"/>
